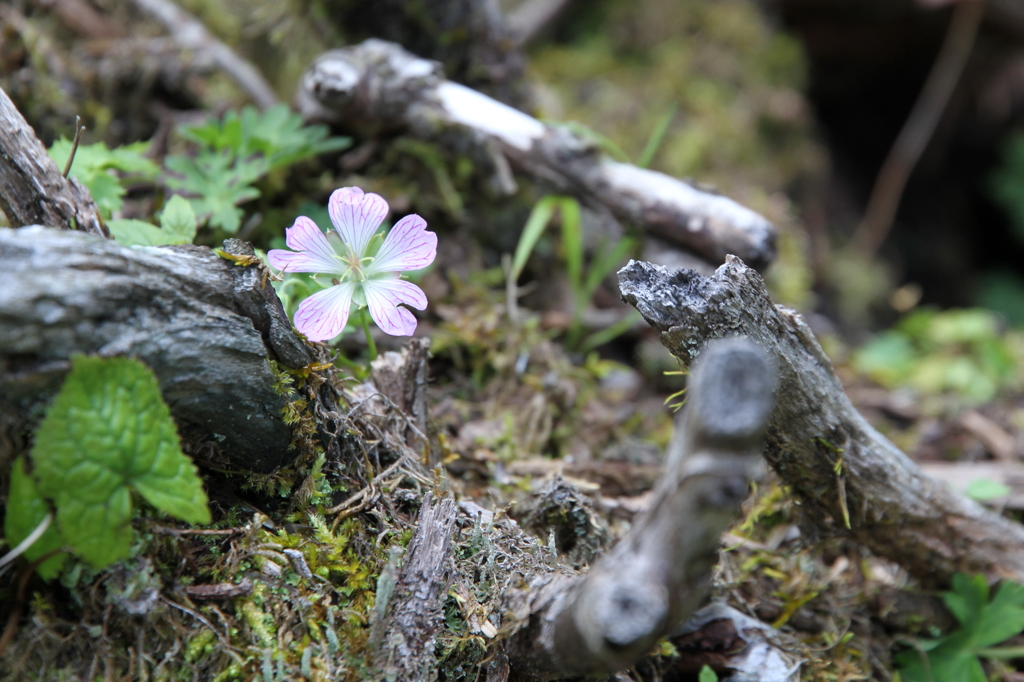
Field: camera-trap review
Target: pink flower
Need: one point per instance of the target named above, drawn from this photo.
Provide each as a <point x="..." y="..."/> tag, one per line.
<point x="370" y="279"/>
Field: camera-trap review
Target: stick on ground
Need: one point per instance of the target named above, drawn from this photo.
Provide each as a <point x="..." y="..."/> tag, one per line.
<point x="659" y="573"/>
<point x="850" y="478"/>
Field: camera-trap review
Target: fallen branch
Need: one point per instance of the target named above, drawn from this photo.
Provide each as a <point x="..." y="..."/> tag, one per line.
<point x="414" y="615"/>
<point x="190" y="34"/>
<point x="659" y="573"/>
<point x="206" y="327"/>
<point x="378" y="87"/>
<point x="32" y="188"/>
<point x="839" y="466"/>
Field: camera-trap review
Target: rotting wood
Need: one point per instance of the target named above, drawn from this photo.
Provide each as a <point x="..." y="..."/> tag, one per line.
<point x="659" y="573"/>
<point x="402" y="377"/>
<point x="849" y="477"/>
<point x="414" y="610"/>
<point x="377" y="87"/>
<point x="206" y="327"/>
<point x="32" y="189"/>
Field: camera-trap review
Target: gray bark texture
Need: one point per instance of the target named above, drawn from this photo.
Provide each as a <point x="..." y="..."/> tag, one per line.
<point x="208" y="329"/>
<point x="659" y="573"/>
<point x="414" y="612"/>
<point x="376" y="87"/>
<point x="32" y="189"/>
<point x="469" y="37"/>
<point x="850" y="478"/>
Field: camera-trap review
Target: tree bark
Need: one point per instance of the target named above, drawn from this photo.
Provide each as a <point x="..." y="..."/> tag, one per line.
<point x="32" y="189"/>
<point x="414" y="614"/>
<point x="659" y="573"/>
<point x="850" y="478"/>
<point x="378" y="87"/>
<point x="208" y="329"/>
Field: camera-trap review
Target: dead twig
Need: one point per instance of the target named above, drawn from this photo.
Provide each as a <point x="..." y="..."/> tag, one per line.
<point x="190" y="34"/>
<point x="918" y="130"/>
<point x="79" y="129"/>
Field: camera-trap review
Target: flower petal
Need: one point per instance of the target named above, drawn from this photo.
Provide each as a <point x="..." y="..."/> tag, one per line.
<point x="323" y="315"/>
<point x="356" y="216"/>
<point x="383" y="297"/>
<point x="408" y="246"/>
<point x="312" y="252"/>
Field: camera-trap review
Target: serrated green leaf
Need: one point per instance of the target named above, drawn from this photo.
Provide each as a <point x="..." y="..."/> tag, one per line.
<point x="109" y="430"/>
<point x="99" y="531"/>
<point x="178" y="220"/>
<point x="25" y="510"/>
<point x="1002" y="618"/>
<point x="131" y="232"/>
<point x="955" y="657"/>
<point x="105" y="189"/>
<point x="92" y="163"/>
<point x="968" y="597"/>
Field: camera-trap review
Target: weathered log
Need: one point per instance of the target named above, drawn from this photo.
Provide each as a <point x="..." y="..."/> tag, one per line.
<point x="471" y="38"/>
<point x="377" y="87"/>
<point x="32" y="189"/>
<point x="401" y="376"/>
<point x="208" y="329"/>
<point x="659" y="573"/>
<point x="850" y="478"/>
<point x="414" y="612"/>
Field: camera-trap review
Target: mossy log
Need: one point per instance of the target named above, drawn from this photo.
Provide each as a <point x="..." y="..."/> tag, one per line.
<point x="376" y="87"/>
<point x="208" y="328"/>
<point x="849" y="477"/>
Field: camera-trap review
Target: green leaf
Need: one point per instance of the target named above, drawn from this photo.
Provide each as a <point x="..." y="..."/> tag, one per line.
<point x="130" y="232"/>
<point x="955" y="657"/>
<point x="93" y="162"/>
<point x="887" y="358"/>
<point x="106" y="191"/>
<point x="219" y="184"/>
<point x="968" y="598"/>
<point x="707" y="674"/>
<point x="983" y="489"/>
<point x="539" y="218"/>
<point x="178" y="220"/>
<point x="1003" y="618"/>
<point x="107" y="431"/>
<point x="26" y="509"/>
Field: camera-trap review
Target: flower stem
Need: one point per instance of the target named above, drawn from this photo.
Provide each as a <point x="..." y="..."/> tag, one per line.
<point x="369" y="337"/>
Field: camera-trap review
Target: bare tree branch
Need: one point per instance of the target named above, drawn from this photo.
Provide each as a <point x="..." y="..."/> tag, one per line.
<point x="850" y="478"/>
<point x="919" y="127"/>
<point x="659" y="573"/>
<point x="190" y="34"/>
<point x="377" y="87"/>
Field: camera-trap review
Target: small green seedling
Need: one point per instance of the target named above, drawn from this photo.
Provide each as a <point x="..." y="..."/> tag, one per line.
<point x="582" y="288"/>
<point x="233" y="153"/>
